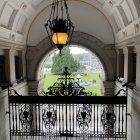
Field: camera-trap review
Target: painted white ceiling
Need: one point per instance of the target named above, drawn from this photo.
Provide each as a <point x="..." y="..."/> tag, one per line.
<point x="85" y="17"/>
<point x="22" y="21"/>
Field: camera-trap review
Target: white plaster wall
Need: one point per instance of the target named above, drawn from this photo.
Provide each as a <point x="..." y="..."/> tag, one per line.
<point x="22" y="88"/>
<point x="118" y="86"/>
<point x="92" y="22"/>
<point x="135" y="115"/>
<point x="133" y="123"/>
<point x="4" y="119"/>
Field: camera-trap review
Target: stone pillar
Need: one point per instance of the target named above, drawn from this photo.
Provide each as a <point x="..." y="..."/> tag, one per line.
<point x="138" y="67"/>
<point x="108" y="88"/>
<point x="10" y="65"/>
<point x="36" y="87"/>
<point x="128" y="73"/>
<point x="33" y="88"/>
<point x="40" y="85"/>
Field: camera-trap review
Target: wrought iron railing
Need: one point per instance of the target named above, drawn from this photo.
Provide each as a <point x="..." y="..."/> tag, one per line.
<point x="81" y="117"/>
<point x="68" y="112"/>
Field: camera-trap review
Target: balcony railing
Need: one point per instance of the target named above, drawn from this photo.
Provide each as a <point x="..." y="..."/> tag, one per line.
<point x="68" y="113"/>
<point x="67" y="117"/>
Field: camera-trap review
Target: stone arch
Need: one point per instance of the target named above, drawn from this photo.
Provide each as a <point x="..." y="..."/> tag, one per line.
<point x="105" y="52"/>
<point x="44" y="60"/>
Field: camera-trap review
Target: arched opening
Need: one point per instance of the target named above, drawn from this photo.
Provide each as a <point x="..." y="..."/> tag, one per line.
<point x="105" y="52"/>
<point x="85" y="67"/>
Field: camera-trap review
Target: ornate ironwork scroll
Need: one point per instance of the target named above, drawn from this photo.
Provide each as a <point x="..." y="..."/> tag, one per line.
<point x="108" y="119"/>
<point x="66" y="87"/>
<point x="26" y="117"/>
<point x="84" y="117"/>
<point x="13" y="92"/>
<point x="121" y="92"/>
<point x="49" y="116"/>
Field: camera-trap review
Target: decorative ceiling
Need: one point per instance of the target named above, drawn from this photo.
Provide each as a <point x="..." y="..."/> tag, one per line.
<point x="22" y="21"/>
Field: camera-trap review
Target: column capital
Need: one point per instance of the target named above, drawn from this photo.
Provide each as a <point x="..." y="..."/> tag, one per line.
<point x="137" y="48"/>
<point x="120" y="51"/>
<point x="128" y="50"/>
<point x="10" y="52"/>
<point x="23" y="53"/>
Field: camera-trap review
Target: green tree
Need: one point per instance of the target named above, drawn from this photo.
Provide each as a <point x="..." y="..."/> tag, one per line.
<point x="48" y="66"/>
<point x="66" y="60"/>
<point x="78" y="57"/>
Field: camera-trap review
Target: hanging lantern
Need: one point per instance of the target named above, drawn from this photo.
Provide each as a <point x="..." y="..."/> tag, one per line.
<point x="59" y="26"/>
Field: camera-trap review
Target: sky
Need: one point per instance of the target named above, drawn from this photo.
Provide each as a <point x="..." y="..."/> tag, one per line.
<point x="77" y="50"/>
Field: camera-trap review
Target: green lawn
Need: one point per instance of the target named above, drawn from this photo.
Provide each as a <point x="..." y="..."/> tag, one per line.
<point x="50" y="79"/>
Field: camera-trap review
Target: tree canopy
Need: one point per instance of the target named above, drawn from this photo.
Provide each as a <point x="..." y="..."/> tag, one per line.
<point x="66" y="60"/>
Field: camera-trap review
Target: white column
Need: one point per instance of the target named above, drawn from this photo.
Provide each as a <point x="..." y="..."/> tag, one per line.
<point x="138" y="67"/>
<point x="10" y="65"/>
<point x="128" y="73"/>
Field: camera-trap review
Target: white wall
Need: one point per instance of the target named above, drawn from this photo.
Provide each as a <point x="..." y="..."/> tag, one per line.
<point x="135" y="115"/>
<point x="129" y="100"/>
<point x="133" y="123"/>
<point x="9" y="50"/>
<point x="132" y="46"/>
<point x="22" y="88"/>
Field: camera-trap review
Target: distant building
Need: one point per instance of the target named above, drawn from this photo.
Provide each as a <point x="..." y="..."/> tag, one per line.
<point x="91" y="62"/>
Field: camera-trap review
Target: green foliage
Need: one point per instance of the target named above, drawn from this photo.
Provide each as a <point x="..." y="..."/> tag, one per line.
<point x="50" y="79"/>
<point x="82" y="67"/>
<point x="78" y="57"/>
<point x="66" y="60"/>
<point x="96" y="89"/>
<point x="48" y="66"/>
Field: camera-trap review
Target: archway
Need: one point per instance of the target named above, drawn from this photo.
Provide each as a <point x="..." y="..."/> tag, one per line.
<point x="105" y="52"/>
<point x="85" y="68"/>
